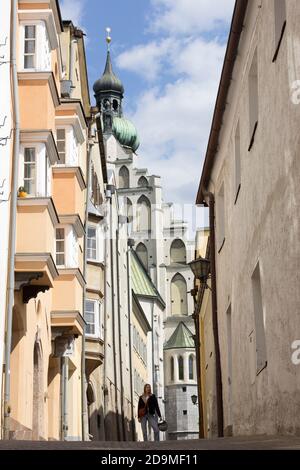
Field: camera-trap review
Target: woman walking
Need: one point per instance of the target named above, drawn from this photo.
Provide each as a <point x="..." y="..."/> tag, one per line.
<point x="148" y="411"/>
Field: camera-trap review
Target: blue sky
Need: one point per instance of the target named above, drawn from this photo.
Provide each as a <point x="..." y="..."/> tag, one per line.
<point x="168" y="54"/>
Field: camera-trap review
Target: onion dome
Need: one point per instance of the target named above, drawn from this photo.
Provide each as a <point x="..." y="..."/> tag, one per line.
<point x="125" y="132"/>
<point x="109" y="82"/>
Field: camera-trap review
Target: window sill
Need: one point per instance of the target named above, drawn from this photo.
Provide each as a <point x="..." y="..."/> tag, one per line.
<point x="253" y="136"/>
<point x="221" y="245"/>
<point x="95" y="263"/>
<point x="279" y="42"/>
<point x="237" y="193"/>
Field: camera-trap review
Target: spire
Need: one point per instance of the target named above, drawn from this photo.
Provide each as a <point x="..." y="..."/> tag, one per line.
<point x="109" y="83"/>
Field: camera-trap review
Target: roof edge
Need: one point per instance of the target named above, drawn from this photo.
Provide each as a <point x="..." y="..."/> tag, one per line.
<point x="236" y="29"/>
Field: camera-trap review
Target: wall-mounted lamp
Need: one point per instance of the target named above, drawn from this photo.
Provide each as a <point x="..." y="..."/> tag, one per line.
<point x="110" y="190"/>
<point x="130" y="242"/>
<point x="201" y="270"/>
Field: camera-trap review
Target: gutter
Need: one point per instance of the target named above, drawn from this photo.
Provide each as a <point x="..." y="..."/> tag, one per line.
<point x="221" y="101"/>
<point x="212" y="250"/>
<point x="13" y="218"/>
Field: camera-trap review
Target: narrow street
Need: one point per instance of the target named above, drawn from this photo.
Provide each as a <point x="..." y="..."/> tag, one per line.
<point x="230" y="443"/>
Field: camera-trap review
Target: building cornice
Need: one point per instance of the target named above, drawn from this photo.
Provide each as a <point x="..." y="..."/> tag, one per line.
<point x="46" y="15"/>
<point x="74" y="170"/>
<point x="41" y="201"/>
<point x="47" y="76"/>
<point x="75" y="221"/>
<point x="44" y="136"/>
<point x="73" y="272"/>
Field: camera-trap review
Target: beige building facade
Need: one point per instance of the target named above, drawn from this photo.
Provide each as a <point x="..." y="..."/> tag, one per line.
<point x="249" y="181"/>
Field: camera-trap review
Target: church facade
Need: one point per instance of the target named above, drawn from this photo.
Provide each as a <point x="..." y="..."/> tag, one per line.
<point x="162" y="246"/>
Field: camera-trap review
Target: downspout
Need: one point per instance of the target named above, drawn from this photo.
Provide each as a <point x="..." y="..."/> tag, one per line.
<point x="196" y="316"/>
<point x="105" y="390"/>
<point x="13" y="218"/>
<point x="113" y="312"/>
<point x="120" y="338"/>
<point x="129" y="293"/>
<point x="153" y="357"/>
<point x="219" y="391"/>
<point x="64" y="397"/>
<point x="84" y="414"/>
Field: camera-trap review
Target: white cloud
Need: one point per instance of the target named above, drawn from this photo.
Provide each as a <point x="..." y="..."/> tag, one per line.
<point x="190" y="16"/>
<point x="182" y="71"/>
<point x="146" y="59"/>
<point x="73" y="10"/>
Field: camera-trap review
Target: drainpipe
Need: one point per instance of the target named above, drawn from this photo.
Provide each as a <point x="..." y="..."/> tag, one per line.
<point x="129" y="293"/>
<point x="120" y="338"/>
<point x="110" y="190"/>
<point x="219" y="391"/>
<point x="13" y="218"/>
<point x="64" y="397"/>
<point x="196" y="317"/>
<point x="105" y="390"/>
<point x="84" y="414"/>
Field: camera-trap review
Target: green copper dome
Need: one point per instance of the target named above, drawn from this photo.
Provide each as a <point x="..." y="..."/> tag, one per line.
<point x="125" y="132"/>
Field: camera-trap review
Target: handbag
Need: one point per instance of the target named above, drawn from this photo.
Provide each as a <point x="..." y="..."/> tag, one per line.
<point x="142" y="411"/>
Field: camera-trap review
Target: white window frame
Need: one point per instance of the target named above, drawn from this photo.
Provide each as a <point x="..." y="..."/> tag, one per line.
<point x="92" y="227"/>
<point x="71" y="143"/>
<point x="97" y="319"/>
<point x="42" y="169"/>
<point x="31" y="54"/>
<point x="61" y="128"/>
<point x="41" y="37"/>
<point x="30" y="164"/>
<point x="60" y="252"/>
<point x="71" y="258"/>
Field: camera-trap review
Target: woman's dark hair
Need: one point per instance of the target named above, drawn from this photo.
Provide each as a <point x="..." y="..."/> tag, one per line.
<point x="146" y="385"/>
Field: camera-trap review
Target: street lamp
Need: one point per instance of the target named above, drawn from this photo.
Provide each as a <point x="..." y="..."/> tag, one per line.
<point x="201" y="270"/>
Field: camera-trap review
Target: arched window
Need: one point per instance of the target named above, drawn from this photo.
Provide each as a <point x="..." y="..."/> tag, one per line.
<point x="142" y="253"/>
<point x="123" y="177"/>
<point x="143" y="214"/>
<point x="143" y="182"/>
<point x="172" y="368"/>
<point x="178" y="295"/>
<point x="180" y="368"/>
<point x="178" y="252"/>
<point x="191" y="367"/>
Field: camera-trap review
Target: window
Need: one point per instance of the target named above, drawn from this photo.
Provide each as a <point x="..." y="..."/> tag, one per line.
<point x="237" y="158"/>
<point x="178" y="252"/>
<point x="61" y="144"/>
<point x="191" y="367"/>
<point x="260" y="334"/>
<point x="60" y="246"/>
<point x="124" y="177"/>
<point x="129" y="211"/>
<point x="180" y="368"/>
<point x="91" y="243"/>
<point x="280" y="24"/>
<point x="92" y="318"/>
<point x="172" y="368"/>
<point x="29" y="47"/>
<point x="184" y="412"/>
<point x="178" y="295"/>
<point x="184" y="389"/>
<point x="30" y="170"/>
<point x="144" y="214"/>
<point x="253" y="99"/>
<point x="142" y="253"/>
<point x="220" y="223"/>
<point x="143" y="182"/>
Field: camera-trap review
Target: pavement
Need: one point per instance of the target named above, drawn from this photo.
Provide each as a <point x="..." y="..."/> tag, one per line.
<point x="229" y="443"/>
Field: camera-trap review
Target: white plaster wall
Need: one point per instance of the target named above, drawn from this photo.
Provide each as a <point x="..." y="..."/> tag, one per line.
<point x="263" y="225"/>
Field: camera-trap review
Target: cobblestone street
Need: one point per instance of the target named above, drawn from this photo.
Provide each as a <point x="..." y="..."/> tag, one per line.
<point x="237" y="443"/>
